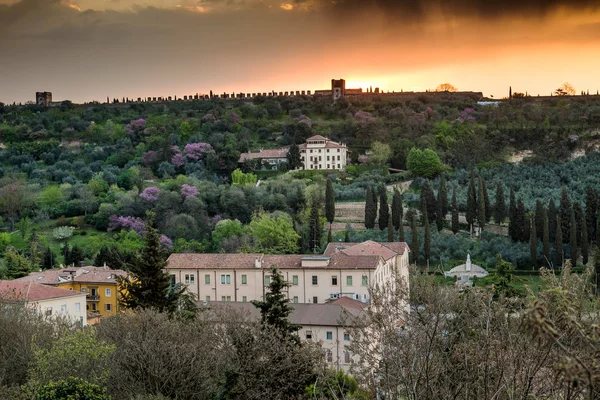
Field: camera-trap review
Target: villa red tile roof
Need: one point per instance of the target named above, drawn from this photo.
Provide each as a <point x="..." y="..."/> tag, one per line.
<point x="386" y="250"/>
<point x="74" y="274"/>
<point x="265" y="154"/>
<point x="29" y="291"/>
<point x="347" y="302"/>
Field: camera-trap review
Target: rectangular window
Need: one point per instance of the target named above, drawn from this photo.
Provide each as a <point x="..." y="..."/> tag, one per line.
<point x="308" y="335"/>
<point x="207" y="279"/>
<point x="315" y="300"/>
<point x="228" y="279"/>
<point x="295" y="280"/>
<point x="339" y="167"/>
<point x="329" y="335"/>
<point x="49" y="311"/>
<point x="334" y="280"/>
<point x="244" y="299"/>
<point x="108" y="307"/>
<point x="228" y="298"/>
<point x="327" y="166"/>
<point x="338" y="158"/>
<point x="347" y="357"/>
<point x="172" y="279"/>
<point x="189" y="279"/>
<point x="315" y="280"/>
<point x="267" y="280"/>
<point x="244" y="279"/>
<point x="77" y="307"/>
<point x="338" y="150"/>
<point x="365" y="280"/>
<point x="93" y="306"/>
<point x="329" y="356"/>
<point x="107" y="292"/>
<point x="207" y="298"/>
<point x="349" y="280"/>
<point x="295" y="299"/>
<point x="346" y="336"/>
<point x="327" y="158"/>
<point x="222" y="279"/>
<point x="320" y="158"/>
<point x="223" y="298"/>
<point x="63" y="308"/>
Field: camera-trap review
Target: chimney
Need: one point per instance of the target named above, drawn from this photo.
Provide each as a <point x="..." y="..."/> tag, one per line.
<point x="258" y="262"/>
<point x="105" y="266"/>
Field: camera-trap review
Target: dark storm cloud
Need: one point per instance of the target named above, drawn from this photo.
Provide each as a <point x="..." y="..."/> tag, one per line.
<point x="420" y="9"/>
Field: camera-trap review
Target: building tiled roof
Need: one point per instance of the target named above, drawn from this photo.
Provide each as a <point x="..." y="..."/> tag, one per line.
<point x="265" y="154"/>
<point x="29" y="291"/>
<point x="306" y="315"/>
<point x="78" y="274"/>
<point x="386" y="250"/>
<point x="347" y="302"/>
<point x="346" y="261"/>
<point x="330" y="144"/>
<point x="316" y="137"/>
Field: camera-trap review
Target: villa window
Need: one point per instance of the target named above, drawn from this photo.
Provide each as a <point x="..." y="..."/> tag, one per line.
<point x="365" y="280"/>
<point x="349" y="281"/>
<point x="109" y="307"/>
<point x="107" y="293"/>
<point x="334" y="280"/>
<point x="330" y="335"/>
<point x="308" y="335"/>
<point x="207" y="279"/>
<point x="244" y="279"/>
<point x="315" y="280"/>
<point x="295" y="280"/>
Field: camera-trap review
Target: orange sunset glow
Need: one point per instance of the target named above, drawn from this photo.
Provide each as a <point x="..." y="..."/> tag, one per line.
<point x="88" y="49"/>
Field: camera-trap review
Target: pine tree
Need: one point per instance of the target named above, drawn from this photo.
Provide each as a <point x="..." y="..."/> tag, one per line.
<point x="546" y="237"/>
<point x="49" y="259"/>
<point x="415" y="237"/>
<point x="598" y="231"/>
<point x="591" y="211"/>
<point x="275" y="308"/>
<point x="347" y="234"/>
<point x="35" y="251"/>
<point x="512" y="215"/>
<point x="428" y="202"/>
<point x="440" y="215"/>
<point x="148" y="285"/>
<point x="329" y="203"/>
<point x="519" y="224"/>
<point x="401" y="230"/>
<point x="370" y="210"/>
<point x="558" y="245"/>
<point x="315" y="228"/>
<point x="486" y="201"/>
<point x="579" y="221"/>
<point x="573" y="238"/>
<point x="533" y="244"/>
<point x="539" y="218"/>
<point x="397" y="209"/>
<point x="565" y="214"/>
<point x="552" y="220"/>
<point x="427" y="242"/>
<point x="455" y="225"/>
<point x="443" y="193"/>
<point x="500" y="206"/>
<point x="384" y="209"/>
<point x="481" y="218"/>
<point x="390" y="229"/>
<point x="584" y="243"/>
<point x="597" y="268"/>
<point x="471" y="202"/>
<point x="17" y="265"/>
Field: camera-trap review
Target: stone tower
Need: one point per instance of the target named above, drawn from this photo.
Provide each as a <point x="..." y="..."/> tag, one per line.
<point x="43" y="98"/>
<point x="338" y="88"/>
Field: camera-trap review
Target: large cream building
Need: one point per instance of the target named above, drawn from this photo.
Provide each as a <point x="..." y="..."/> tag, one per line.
<point x="321" y="153"/>
<point x="343" y="270"/>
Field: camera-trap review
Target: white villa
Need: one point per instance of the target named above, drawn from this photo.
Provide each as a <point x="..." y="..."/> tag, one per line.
<point x="464" y="273"/>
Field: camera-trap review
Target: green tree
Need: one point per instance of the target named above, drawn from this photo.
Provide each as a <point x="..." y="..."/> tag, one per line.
<point x="471" y="201"/>
<point x="401" y="230"/>
<point x="240" y="179"/>
<point x="415" y="237"/>
<point x="315" y="229"/>
<point x="370" y="209"/>
<point x="428" y="201"/>
<point x="539" y="217"/>
<point x="546" y="237"/>
<point x="533" y="244"/>
<point x="512" y="215"/>
<point x="455" y="221"/>
<point x="275" y="234"/>
<point x="558" y="246"/>
<point x="443" y="193"/>
<point x="503" y="278"/>
<point x="329" y="203"/>
<point x="384" y="210"/>
<point x="275" y="308"/>
<point x="552" y="220"/>
<point x="597" y="269"/>
<point x="390" y="229"/>
<point x="148" y="285"/>
<point x="584" y="243"/>
<point x="565" y="214"/>
<point x="72" y="388"/>
<point x="500" y="206"/>
<point x="591" y="212"/>
<point x="23" y="226"/>
<point x="49" y="260"/>
<point x="573" y="238"/>
<point x="481" y="216"/>
<point x="293" y="157"/>
<point x="225" y="229"/>
<point x="427" y="242"/>
<point x="397" y="209"/>
<point x="51" y="197"/>
<point x="17" y="265"/>
<point x="521" y="227"/>
<point x="424" y="163"/>
<point x="380" y="153"/>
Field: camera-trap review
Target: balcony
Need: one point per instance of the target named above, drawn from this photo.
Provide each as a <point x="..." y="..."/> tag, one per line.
<point x="95" y="297"/>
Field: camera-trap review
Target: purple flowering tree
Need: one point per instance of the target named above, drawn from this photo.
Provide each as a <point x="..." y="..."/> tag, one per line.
<point x="304" y="120"/>
<point x="466" y="115"/>
<point x="189" y="191"/>
<point x="117" y="223"/>
<point x="234" y="117"/>
<point x="196" y="151"/>
<point x="166" y="242"/>
<point x="149" y="157"/>
<point x="150" y="194"/>
<point x="135" y="127"/>
<point x="364" y="118"/>
<point x="178" y="158"/>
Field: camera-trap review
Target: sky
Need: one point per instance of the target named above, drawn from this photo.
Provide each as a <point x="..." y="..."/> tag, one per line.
<point x="84" y="50"/>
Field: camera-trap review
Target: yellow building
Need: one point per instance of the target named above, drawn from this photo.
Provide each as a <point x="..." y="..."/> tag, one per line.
<point x="98" y="283"/>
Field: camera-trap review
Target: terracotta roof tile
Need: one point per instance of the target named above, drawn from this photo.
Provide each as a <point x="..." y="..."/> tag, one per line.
<point x="266" y="153"/>
<point x="386" y="250"/>
<point x="78" y="274"/>
<point x="29" y="291"/>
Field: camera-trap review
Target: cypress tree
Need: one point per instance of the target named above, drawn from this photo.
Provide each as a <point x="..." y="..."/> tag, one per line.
<point x="552" y="220"/>
<point x="565" y="214"/>
<point x="539" y="218"/>
<point x="591" y="210"/>
<point x="315" y="229"/>
<point x="415" y="237"/>
<point x="439" y="215"/>
<point x="384" y="209"/>
<point x="329" y="235"/>
<point x="329" y="203"/>
<point x="390" y="229"/>
<point x="584" y="243"/>
<point x="427" y="242"/>
<point x="49" y="259"/>
<point x="579" y="221"/>
<point x="481" y="219"/>
<point x="397" y="209"/>
<point x="401" y="230"/>
<point x="347" y="235"/>
<point x="546" y="238"/>
<point x="558" y="245"/>
<point x="428" y="202"/>
<point x="455" y="225"/>
<point x="486" y="200"/>
<point x="512" y="215"/>
<point x="573" y="238"/>
<point x="471" y="202"/>
<point x="533" y="244"/>
<point x="597" y="268"/>
<point x="443" y="193"/>
<point x="500" y="206"/>
<point x="598" y="231"/>
<point x="370" y="209"/>
<point x="520" y="221"/>
<point x="294" y="158"/>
